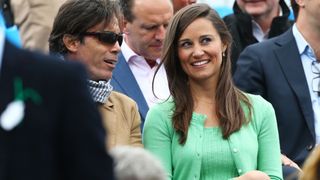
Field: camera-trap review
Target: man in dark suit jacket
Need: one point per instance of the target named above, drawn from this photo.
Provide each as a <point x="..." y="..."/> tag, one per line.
<point x="60" y="136"/>
<point x="280" y="70"/>
<point x="244" y="22"/>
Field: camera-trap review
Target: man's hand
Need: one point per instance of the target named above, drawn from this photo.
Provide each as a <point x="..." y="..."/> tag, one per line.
<point x="288" y="162"/>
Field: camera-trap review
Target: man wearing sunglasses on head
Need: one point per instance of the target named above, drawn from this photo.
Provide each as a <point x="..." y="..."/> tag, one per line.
<point x="145" y="23"/>
<point x="88" y="31"/>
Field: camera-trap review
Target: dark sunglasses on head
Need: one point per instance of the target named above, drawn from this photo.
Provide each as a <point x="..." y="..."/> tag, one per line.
<point x="106" y="37"/>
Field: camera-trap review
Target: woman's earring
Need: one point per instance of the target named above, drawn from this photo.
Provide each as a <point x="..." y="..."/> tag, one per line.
<point x="223" y="54"/>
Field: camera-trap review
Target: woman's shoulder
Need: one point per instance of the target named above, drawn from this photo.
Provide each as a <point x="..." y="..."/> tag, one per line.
<point x="257" y="101"/>
<point x="262" y="110"/>
<point x="164" y="106"/>
<point x="161" y="112"/>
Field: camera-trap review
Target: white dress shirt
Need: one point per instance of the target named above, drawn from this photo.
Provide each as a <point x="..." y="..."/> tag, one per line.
<point x="143" y="74"/>
<point x="307" y="57"/>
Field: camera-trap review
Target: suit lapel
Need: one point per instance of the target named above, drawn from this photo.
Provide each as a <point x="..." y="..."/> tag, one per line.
<point x="109" y="119"/>
<point x="292" y="68"/>
<point x="127" y="84"/>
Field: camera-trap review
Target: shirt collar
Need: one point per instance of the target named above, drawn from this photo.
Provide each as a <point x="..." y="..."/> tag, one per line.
<point x="129" y="54"/>
<point x="303" y="45"/>
<point x="127" y="51"/>
<point x="257" y="31"/>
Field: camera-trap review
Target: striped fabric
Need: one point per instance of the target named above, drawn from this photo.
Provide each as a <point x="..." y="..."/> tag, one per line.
<point x="100" y="90"/>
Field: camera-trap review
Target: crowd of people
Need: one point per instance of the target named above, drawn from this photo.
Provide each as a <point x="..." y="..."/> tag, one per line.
<point x="159" y="89"/>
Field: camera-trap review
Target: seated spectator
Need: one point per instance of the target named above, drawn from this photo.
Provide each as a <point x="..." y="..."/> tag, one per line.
<point x="209" y="129"/>
<point x="134" y="163"/>
<point x="285" y="71"/>
<point x="93" y="37"/>
<point x="145" y="24"/>
<point x="255" y="21"/>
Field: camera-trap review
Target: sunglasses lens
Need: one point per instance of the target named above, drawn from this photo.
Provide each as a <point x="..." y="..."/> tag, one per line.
<point x="106" y="37"/>
<point x="120" y="39"/>
<point x="111" y="38"/>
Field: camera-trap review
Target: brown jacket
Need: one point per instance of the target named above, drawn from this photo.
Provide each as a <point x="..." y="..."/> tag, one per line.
<point x="122" y="120"/>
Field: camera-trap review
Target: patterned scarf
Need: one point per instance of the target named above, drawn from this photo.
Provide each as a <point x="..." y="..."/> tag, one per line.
<point x="100" y="90"/>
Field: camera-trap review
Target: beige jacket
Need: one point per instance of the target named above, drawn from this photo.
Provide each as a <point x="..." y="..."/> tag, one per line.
<point x="122" y="120"/>
<point x="35" y="19"/>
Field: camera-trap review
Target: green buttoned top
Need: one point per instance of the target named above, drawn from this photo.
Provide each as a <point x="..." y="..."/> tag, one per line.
<point x="254" y="147"/>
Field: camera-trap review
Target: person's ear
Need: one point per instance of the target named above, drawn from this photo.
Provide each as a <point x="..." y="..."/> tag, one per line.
<point x="301" y="3"/>
<point x="72" y="43"/>
<point x="224" y="48"/>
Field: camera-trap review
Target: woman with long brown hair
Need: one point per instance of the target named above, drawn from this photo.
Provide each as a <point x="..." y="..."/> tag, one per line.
<point x="209" y="129"/>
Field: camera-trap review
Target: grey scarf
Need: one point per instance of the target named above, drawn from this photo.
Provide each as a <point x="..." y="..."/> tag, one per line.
<point x="100" y="90"/>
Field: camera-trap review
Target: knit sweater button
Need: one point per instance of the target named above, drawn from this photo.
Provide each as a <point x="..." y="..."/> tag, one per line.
<point x="235" y="150"/>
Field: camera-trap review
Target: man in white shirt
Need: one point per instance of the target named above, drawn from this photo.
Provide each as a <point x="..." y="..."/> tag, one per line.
<point x="145" y="23"/>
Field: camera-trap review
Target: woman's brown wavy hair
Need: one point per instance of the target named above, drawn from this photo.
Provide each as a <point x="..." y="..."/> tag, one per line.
<point x="228" y="97"/>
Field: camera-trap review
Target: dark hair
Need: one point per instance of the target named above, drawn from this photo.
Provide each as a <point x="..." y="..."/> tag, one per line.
<point x="295" y="8"/>
<point x="76" y="17"/>
<point x="115" y="6"/>
<point x="127" y="6"/>
<point x="228" y="97"/>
